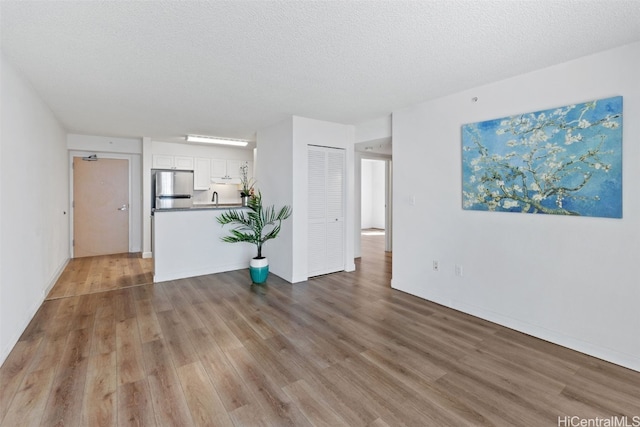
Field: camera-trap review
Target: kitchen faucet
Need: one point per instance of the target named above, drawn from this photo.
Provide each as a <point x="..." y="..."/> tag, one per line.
<point x="214" y="197"/>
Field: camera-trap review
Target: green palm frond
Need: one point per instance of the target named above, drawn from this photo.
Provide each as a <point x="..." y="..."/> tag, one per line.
<point x="256" y="225"/>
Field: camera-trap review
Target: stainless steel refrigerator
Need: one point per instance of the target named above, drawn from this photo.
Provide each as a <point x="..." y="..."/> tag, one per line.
<point x="173" y="189"/>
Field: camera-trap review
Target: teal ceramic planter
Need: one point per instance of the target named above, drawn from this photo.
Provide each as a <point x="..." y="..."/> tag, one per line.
<point x="259" y="270"/>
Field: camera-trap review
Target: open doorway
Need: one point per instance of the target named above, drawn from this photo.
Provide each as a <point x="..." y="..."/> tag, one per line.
<point x="372" y="205"/>
<point x="375" y="205"/>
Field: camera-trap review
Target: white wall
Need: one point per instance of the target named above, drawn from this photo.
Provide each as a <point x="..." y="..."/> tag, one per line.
<point x="569" y="280"/>
<point x="115" y="148"/>
<point x="34" y="180"/>
<point x="373" y="130"/>
<point x="274" y="175"/>
<point x="282" y="175"/>
<point x="373" y="194"/>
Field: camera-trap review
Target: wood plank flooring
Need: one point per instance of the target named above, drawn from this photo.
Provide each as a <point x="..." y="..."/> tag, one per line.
<point x="340" y="350"/>
<point x="102" y="273"/>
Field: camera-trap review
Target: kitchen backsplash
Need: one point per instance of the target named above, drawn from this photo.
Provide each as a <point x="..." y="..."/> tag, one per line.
<point x="227" y="193"/>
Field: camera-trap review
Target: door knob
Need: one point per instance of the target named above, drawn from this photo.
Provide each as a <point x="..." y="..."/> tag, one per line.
<point x="123" y="208"/>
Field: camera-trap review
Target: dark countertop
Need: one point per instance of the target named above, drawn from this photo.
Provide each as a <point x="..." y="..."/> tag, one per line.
<point x="203" y="206"/>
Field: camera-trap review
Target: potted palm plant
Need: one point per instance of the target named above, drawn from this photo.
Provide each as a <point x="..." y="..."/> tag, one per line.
<point x="256" y="225"/>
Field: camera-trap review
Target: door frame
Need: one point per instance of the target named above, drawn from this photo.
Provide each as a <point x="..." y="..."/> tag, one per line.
<point x="388" y="217"/>
<point x="101" y="155"/>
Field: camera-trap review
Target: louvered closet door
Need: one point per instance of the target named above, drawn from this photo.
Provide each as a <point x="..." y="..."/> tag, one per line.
<point x="326" y="210"/>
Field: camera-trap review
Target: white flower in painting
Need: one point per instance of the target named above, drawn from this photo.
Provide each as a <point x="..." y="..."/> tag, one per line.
<point x="584" y="124"/>
<point x="504" y="123"/>
<point x="539" y="136"/>
<point x="477" y="168"/>
<point x="554" y="165"/>
<point x="597" y="166"/>
<point x="508" y="204"/>
<point x="537" y="197"/>
<point x="500" y="183"/>
<point x="546" y="177"/>
<point x="512" y="143"/>
<point x="517" y="188"/>
<point x="472" y="179"/>
<point x="501" y="131"/>
<point x="570" y="139"/>
<point x="610" y="125"/>
<point x="481" y="188"/>
<point x="535" y="187"/>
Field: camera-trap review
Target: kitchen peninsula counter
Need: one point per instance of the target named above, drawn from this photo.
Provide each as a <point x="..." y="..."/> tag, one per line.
<point x="187" y="243"/>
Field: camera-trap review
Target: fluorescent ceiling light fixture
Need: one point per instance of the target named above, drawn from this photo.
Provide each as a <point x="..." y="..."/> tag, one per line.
<point x="215" y="140"/>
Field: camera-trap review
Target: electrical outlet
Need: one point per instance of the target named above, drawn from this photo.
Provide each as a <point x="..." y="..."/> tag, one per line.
<point x="458" y="270"/>
<point x="436" y="266"/>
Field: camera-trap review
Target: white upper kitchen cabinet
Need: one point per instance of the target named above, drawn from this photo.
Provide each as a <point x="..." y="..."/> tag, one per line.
<point x="218" y="168"/>
<point x="201" y="173"/>
<point x="163" y="161"/>
<point x="183" y="163"/>
<point x="228" y="171"/>
<point x="233" y="168"/>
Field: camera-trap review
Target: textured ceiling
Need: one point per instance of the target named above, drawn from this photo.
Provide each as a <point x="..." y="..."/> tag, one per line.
<point x="164" y="69"/>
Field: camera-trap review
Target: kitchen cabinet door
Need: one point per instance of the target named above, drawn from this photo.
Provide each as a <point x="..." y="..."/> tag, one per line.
<point x="201" y="173"/>
<point x="233" y="168"/>
<point x="160" y="161"/>
<point x="218" y="168"/>
<point x="227" y="171"/>
<point x="326" y="182"/>
<point x="163" y="161"/>
<point x="183" y="163"/>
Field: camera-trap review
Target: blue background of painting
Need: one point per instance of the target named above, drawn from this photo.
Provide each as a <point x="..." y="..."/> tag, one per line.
<point x="606" y="185"/>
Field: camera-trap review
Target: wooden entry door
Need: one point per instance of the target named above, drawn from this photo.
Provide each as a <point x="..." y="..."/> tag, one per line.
<point x="101" y="207"/>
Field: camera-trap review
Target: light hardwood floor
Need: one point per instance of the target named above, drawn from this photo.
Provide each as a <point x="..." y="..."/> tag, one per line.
<point x="89" y="275"/>
<point x="341" y="349"/>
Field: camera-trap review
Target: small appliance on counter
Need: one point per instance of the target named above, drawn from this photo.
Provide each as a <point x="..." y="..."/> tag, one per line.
<point x="173" y="189"/>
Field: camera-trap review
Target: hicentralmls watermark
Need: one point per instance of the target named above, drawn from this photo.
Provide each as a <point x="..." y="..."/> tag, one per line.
<point x="614" y="421"/>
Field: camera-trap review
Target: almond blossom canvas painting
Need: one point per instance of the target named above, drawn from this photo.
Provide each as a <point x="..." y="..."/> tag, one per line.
<point x="561" y="161"/>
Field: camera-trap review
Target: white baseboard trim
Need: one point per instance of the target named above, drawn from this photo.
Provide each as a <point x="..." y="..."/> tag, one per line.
<point x="147" y="254"/>
<point x="626" y="360"/>
<point x="31" y="312"/>
<point x="555" y="337"/>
